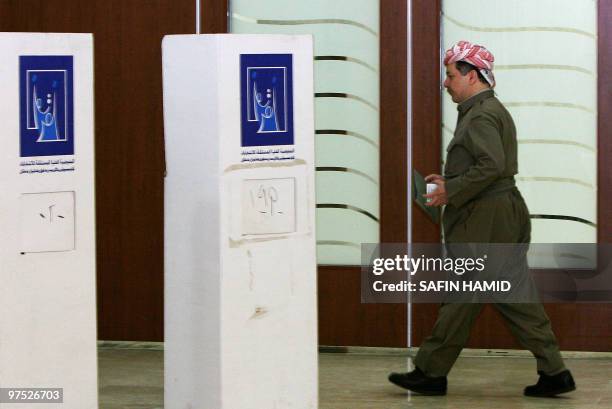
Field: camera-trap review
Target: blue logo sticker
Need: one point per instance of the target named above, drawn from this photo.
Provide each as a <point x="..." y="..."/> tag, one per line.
<point x="266" y="82"/>
<point x="46" y="105"/>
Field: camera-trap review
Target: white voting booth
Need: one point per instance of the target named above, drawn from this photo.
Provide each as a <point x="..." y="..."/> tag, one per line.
<point x="47" y="224"/>
<point x="240" y="267"/>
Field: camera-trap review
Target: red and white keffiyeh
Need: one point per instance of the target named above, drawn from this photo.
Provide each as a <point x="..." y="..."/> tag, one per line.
<point x="473" y="54"/>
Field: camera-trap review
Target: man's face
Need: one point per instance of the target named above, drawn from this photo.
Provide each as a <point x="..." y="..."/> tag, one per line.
<point x="457" y="85"/>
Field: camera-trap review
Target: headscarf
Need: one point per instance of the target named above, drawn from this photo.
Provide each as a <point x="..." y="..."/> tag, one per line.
<point x="473" y="54"/>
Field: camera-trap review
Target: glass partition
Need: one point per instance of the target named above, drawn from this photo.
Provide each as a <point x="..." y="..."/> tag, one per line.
<point x="346" y="46"/>
<point x="546" y="72"/>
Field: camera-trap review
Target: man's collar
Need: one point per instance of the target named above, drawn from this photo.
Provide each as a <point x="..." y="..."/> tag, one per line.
<point x="468" y="103"/>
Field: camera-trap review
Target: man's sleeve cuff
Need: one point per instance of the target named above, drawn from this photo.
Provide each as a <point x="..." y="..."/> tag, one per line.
<point x="453" y="189"/>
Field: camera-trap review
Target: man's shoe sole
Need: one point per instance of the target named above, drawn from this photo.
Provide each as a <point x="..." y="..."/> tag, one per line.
<point x="426" y="392"/>
<point x="552" y="393"/>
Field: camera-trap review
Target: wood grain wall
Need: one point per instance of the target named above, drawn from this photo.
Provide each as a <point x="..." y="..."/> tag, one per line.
<point x="129" y="145"/>
<point x="426" y="133"/>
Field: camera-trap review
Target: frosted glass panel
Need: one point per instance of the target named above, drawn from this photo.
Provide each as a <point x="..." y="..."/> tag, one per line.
<point x="546" y="73"/>
<point x="347" y="111"/>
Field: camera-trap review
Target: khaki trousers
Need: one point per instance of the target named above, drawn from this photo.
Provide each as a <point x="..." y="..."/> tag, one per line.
<point x="528" y="323"/>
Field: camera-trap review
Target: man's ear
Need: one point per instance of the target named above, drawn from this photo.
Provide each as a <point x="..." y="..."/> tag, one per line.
<point x="473" y="77"/>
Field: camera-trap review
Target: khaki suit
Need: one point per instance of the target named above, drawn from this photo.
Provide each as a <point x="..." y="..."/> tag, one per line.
<point x="484" y="206"/>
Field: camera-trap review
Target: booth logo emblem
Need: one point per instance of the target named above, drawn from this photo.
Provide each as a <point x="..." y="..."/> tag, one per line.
<point x="266" y="99"/>
<point x="46" y="105"/>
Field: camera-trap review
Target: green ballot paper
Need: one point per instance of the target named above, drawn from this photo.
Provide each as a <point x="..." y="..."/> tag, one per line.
<point x="419" y="188"/>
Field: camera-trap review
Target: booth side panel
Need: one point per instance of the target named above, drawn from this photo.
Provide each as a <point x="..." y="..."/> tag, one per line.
<point x="192" y="252"/>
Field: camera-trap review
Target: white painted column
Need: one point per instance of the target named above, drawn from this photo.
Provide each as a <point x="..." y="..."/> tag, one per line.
<point x="47" y="217"/>
<point x="240" y="266"/>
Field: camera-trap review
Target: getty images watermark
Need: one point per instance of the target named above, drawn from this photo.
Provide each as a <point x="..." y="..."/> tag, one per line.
<point x="422" y="264"/>
<point x="486" y="272"/>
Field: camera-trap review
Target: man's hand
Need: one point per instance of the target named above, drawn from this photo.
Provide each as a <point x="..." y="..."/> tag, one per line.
<point x="433" y="177"/>
<point x="438" y="197"/>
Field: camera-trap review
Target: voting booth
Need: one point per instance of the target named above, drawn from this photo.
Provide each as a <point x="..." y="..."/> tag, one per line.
<point x="240" y="266"/>
<point x="47" y="222"/>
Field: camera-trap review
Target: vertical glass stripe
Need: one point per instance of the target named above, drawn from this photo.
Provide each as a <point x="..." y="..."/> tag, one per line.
<point x="409" y="156"/>
<point x="198" y="16"/>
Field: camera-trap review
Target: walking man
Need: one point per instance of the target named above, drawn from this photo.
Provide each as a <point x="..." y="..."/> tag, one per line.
<point x="483" y="205"/>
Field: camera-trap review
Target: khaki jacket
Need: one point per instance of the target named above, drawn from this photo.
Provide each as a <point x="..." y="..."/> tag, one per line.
<point x="483" y="202"/>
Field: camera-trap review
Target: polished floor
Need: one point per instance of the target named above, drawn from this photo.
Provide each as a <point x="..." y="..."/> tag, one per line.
<point x="132" y="378"/>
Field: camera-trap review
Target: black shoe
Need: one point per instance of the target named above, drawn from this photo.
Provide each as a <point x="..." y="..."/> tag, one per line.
<point x="548" y="386"/>
<point x="418" y="382"/>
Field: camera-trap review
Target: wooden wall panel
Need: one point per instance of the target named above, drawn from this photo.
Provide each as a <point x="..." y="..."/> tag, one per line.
<point x="130" y="161"/>
<point x="213" y="14"/>
<point x="426" y="133"/>
<point x="129" y="145"/>
<point x="344" y="321"/>
<point x="604" y="148"/>
<point x="578" y="327"/>
<point x="393" y="122"/>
